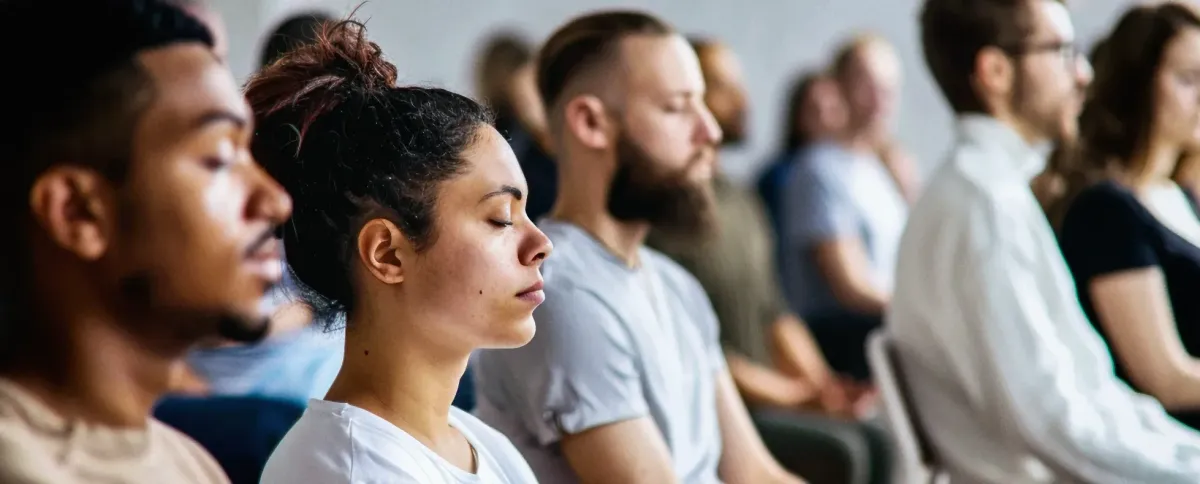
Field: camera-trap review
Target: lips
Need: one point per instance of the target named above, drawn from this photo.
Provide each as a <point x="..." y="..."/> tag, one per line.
<point x="533" y="294"/>
<point x="266" y="260"/>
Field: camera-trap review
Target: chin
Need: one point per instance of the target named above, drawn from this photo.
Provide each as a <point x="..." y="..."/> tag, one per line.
<point x="514" y="334"/>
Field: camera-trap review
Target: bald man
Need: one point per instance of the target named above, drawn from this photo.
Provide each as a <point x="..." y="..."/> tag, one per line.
<point x="842" y="214"/>
<point x="736" y="267"/>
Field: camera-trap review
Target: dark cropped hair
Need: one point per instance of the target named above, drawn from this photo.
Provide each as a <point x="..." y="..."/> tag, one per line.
<point x="79" y="105"/>
<point x="293" y="32"/>
<point x="796" y="137"/>
<point x="953" y="32"/>
<point x="1114" y="126"/>
<point x="350" y="145"/>
<point x="584" y="41"/>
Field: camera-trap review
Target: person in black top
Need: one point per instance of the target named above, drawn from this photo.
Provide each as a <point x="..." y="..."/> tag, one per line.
<point x="1129" y="233"/>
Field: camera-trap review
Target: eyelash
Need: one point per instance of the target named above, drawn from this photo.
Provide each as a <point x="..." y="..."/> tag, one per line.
<point x="215" y="164"/>
<point x="502" y="223"/>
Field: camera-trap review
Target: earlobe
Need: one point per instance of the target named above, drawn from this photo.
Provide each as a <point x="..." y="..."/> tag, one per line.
<point x="380" y="247"/>
<point x="69" y="203"/>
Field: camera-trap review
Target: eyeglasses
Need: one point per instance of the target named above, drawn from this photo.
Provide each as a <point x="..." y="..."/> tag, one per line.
<point x="1066" y="50"/>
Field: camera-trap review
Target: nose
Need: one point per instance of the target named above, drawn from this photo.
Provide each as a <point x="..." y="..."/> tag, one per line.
<point x="1083" y="71"/>
<point x="707" y="132"/>
<point x="537" y="247"/>
<point x="268" y="200"/>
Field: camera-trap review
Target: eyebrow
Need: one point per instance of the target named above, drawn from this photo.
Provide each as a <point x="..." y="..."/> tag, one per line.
<point x="220" y="116"/>
<point x="505" y="190"/>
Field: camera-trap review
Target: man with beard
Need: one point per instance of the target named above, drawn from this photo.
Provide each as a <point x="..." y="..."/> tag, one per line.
<point x="798" y="403"/>
<point x="625" y="380"/>
<point x="142" y="225"/>
<point x="1008" y="376"/>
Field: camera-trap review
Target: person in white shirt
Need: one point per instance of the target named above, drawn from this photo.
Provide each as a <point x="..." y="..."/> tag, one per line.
<point x="409" y="221"/>
<point x="1010" y="382"/>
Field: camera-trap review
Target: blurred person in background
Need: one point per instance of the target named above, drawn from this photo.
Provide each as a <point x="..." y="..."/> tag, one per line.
<point x="1009" y="379"/>
<point x="409" y="222"/>
<point x="297" y="360"/>
<point x="505" y="78"/>
<point x="869" y="75"/>
<point x="1129" y="232"/>
<point x="144" y="226"/>
<point x="625" y="380"/>
<point x="772" y="358"/>
<point x="815" y="112"/>
<point x="842" y="213"/>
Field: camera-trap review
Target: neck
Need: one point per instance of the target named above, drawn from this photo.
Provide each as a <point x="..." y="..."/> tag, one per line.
<point x="1159" y="163"/>
<point x="402" y="378"/>
<point x="583" y="201"/>
<point x="858" y="141"/>
<point x="89" y="368"/>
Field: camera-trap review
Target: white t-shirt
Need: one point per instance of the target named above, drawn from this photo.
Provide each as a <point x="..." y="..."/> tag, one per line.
<point x="339" y="443"/>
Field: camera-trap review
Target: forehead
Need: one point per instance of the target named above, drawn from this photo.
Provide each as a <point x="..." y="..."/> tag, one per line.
<point x="660" y="64"/>
<point x="190" y="84"/>
<point x="1051" y="20"/>
<point x="876" y="61"/>
<point x="1184" y="49"/>
<point x="491" y="163"/>
<point x="718" y="62"/>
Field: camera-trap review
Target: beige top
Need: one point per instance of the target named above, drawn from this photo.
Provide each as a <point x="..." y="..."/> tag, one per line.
<point x="40" y="446"/>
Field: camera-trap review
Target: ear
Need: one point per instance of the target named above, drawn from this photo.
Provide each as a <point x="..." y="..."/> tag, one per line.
<point x="587" y="120"/>
<point x="74" y="206"/>
<point x="994" y="72"/>
<point x="379" y="247"/>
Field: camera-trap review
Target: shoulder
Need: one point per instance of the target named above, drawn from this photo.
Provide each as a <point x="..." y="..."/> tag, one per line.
<point x="675" y="276"/>
<point x="187" y="453"/>
<point x="25" y="457"/>
<point x="1101" y="202"/>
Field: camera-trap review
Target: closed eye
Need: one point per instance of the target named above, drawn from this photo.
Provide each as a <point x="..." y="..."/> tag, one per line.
<point x="502" y="223"/>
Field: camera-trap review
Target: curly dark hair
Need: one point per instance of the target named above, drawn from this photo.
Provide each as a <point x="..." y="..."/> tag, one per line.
<point x="351" y="145"/>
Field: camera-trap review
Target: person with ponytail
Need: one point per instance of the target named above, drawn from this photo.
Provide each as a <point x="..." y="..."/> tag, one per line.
<point x="410" y="227"/>
<point x="1130" y="223"/>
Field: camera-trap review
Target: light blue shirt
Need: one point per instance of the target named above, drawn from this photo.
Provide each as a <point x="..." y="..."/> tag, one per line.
<point x="832" y="193"/>
<point x="613" y="343"/>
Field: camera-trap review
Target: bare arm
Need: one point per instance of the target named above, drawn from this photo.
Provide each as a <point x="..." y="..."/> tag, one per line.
<point x="631" y="451"/>
<point x="796" y="352"/>
<point x="844" y="264"/>
<point x="1135" y="311"/>
<point x="762" y="385"/>
<point x="744" y="459"/>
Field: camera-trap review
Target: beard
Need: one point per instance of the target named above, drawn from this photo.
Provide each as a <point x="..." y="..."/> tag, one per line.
<point x="1047" y="117"/>
<point x="190" y="324"/>
<point x="642" y="192"/>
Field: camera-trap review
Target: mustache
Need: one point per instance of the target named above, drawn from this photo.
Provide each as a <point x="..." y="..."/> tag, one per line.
<point x="268" y="236"/>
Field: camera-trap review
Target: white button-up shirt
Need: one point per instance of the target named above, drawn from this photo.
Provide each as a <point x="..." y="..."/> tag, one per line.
<point x="1010" y="382"/>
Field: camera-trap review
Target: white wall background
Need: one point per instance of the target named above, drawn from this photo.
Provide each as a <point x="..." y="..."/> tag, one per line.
<point x="434" y="41"/>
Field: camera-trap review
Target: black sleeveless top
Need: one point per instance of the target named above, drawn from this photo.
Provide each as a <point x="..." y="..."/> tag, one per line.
<point x="1107" y="230"/>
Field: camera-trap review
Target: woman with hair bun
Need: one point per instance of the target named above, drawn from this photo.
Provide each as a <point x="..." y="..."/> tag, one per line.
<point x="410" y="222"/>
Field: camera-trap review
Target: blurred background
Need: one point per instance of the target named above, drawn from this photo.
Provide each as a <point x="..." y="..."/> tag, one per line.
<point x="774" y="39"/>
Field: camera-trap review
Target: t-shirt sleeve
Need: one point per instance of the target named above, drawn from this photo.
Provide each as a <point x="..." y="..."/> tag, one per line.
<point x="817" y="204"/>
<point x="1105" y="231"/>
<point x="579" y="371"/>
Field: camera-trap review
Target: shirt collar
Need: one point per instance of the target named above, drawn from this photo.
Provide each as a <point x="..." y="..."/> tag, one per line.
<point x="988" y="132"/>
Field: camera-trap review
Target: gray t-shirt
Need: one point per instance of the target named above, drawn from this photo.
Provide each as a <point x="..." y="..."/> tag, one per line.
<point x="833" y="193"/>
<point x="613" y="343"/>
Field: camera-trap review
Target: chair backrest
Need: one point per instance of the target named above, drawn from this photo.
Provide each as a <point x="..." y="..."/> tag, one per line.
<point x="916" y="462"/>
